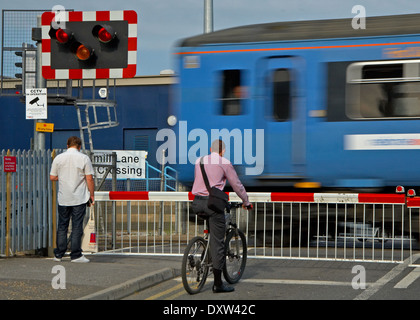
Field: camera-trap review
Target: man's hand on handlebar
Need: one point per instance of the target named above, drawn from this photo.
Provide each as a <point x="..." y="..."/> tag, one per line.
<point x="248" y="207"/>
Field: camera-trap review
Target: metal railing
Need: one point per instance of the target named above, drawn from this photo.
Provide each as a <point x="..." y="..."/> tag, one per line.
<point x="30" y="204"/>
<point x="354" y="227"/>
<point x="27" y="201"/>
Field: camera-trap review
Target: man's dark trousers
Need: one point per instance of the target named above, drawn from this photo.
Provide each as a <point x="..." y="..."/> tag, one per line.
<point x="217" y="226"/>
<point x="76" y="214"/>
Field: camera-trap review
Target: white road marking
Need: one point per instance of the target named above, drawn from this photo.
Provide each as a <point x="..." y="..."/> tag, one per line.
<point x="375" y="287"/>
<point x="409" y="279"/>
<point x="371" y="287"/>
<point x="302" y="282"/>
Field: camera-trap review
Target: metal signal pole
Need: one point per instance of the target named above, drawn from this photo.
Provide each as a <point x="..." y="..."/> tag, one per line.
<point x="39" y="137"/>
<point x="208" y="16"/>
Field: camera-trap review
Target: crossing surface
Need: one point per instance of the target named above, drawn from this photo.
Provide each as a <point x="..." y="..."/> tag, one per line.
<point x="274" y="279"/>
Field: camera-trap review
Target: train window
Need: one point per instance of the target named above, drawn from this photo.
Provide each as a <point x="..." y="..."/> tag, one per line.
<point x="281" y="94"/>
<point x="383" y="90"/>
<point x="232" y="93"/>
<point x="382" y="71"/>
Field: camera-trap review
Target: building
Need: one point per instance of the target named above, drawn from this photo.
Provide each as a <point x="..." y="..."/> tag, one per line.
<point x="142" y="110"/>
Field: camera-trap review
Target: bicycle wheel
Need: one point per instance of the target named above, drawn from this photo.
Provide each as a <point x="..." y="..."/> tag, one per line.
<point x="194" y="269"/>
<point x="236" y="254"/>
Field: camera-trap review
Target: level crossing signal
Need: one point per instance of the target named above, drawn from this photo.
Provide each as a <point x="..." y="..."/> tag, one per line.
<point x="89" y="45"/>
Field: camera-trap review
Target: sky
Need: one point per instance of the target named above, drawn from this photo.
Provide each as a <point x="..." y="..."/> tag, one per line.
<point x="162" y="23"/>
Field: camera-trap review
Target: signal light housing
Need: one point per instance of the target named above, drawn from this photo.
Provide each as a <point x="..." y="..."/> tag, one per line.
<point x="83" y="52"/>
<point x="63" y="36"/>
<point x="90" y="45"/>
<point x="411" y="193"/>
<point x="104" y="33"/>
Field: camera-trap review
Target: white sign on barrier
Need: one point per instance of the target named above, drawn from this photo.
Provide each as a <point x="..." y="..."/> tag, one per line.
<point x="131" y="164"/>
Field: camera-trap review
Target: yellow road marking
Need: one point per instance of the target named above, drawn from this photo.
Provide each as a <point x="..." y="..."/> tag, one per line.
<point x="160" y="294"/>
<point x="176" y="295"/>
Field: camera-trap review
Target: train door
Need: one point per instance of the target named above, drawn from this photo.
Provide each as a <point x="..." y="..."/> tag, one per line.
<point x="284" y="120"/>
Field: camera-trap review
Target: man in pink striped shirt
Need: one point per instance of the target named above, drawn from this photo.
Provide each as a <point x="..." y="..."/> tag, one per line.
<point x="218" y="170"/>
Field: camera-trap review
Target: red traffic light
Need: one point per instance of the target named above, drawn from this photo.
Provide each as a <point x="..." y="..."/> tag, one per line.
<point x="63" y="36"/>
<point x="104" y="33"/>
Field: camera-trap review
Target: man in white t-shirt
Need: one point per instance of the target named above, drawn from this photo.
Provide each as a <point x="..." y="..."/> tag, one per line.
<point x="74" y="172"/>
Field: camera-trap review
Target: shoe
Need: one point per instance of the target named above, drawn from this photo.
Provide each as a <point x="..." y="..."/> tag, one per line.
<point x="82" y="259"/>
<point x="56" y="259"/>
<point x="223" y="288"/>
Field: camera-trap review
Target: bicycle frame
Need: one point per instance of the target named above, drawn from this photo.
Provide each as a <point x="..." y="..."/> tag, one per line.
<point x="207" y="239"/>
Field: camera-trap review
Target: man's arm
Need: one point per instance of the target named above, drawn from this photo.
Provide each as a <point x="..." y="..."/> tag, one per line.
<point x="53" y="178"/>
<point x="91" y="187"/>
<point x="236" y="184"/>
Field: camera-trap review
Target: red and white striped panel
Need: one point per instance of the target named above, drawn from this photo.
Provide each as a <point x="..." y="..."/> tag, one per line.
<point x="363" y="198"/>
<point x="69" y="16"/>
<point x="413" y="202"/>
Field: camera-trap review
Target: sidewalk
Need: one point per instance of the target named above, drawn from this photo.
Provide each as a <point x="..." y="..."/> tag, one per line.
<point x="105" y="277"/>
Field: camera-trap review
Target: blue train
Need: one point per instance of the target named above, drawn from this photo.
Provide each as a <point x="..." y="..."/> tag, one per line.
<point x="303" y="104"/>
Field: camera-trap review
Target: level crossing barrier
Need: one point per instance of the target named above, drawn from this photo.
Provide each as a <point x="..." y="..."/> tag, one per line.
<point x="332" y="226"/>
<point x="413" y="206"/>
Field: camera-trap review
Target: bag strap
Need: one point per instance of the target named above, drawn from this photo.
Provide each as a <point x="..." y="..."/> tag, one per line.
<point x="203" y="172"/>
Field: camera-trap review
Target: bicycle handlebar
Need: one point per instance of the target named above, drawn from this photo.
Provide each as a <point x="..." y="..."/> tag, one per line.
<point x="238" y="205"/>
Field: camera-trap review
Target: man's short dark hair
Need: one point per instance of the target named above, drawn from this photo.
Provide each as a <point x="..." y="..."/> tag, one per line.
<point x="218" y="146"/>
<point x="74" y="142"/>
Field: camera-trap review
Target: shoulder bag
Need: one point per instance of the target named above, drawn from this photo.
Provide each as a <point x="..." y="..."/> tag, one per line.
<point x="218" y="199"/>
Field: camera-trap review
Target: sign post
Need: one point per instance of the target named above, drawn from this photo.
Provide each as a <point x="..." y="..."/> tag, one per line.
<point x="53" y="241"/>
<point x="9" y="166"/>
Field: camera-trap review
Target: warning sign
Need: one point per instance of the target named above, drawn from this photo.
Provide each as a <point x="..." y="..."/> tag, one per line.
<point x="44" y="127"/>
<point x="9" y="164"/>
<point x="36" y="103"/>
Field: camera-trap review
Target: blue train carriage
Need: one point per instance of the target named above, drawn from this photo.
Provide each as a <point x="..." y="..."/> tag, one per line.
<point x="338" y="107"/>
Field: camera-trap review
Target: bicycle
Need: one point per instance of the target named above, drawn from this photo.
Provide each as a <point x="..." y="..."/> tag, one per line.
<point x="197" y="263"/>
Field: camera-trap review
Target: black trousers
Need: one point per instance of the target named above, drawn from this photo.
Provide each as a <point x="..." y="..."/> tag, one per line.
<point x="217" y="227"/>
<point x="76" y="214"/>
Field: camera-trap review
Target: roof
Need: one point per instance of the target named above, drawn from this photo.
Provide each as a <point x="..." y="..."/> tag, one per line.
<point x="314" y="29"/>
